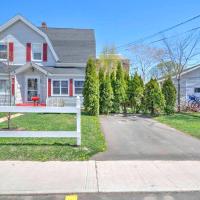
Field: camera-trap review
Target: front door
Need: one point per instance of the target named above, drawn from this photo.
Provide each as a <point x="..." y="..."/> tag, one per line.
<point x="32" y="88"/>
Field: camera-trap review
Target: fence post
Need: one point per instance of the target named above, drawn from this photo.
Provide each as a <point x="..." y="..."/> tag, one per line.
<point x="78" y="120"/>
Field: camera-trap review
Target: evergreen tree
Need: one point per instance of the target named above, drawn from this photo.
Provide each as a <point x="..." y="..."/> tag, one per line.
<point x="101" y="89"/>
<point x="169" y="92"/>
<point x="135" y="92"/>
<point x="91" y="89"/>
<point x="119" y="89"/>
<point x="107" y="95"/>
<point x="154" y="99"/>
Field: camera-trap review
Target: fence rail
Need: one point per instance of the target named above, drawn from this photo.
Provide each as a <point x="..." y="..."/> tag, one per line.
<point x="34" y="109"/>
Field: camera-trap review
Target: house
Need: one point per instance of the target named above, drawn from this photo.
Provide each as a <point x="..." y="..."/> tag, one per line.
<point x="189" y="83"/>
<point x="42" y="61"/>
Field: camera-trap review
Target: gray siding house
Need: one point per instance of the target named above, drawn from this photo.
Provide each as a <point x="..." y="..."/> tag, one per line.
<point x="190" y="83"/>
<point x="41" y="61"/>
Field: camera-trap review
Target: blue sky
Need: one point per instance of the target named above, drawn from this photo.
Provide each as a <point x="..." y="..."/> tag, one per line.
<point x="115" y="21"/>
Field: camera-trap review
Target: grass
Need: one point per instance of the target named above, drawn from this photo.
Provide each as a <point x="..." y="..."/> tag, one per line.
<point x="3" y="114"/>
<point x="44" y="149"/>
<point x="185" y="122"/>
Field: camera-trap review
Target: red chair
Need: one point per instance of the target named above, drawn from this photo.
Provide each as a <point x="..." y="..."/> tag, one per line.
<point x="35" y="100"/>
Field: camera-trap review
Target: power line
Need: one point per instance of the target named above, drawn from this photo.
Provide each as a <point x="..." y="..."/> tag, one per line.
<point x="158" y="33"/>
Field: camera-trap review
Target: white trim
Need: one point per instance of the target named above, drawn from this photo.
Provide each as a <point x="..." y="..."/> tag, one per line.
<point x="74" y="94"/>
<point x="29" y="65"/>
<point x="183" y="73"/>
<point x="26" y="85"/>
<point x="32" y="57"/>
<point x="59" y="95"/>
<point x="33" y="27"/>
<point x="71" y="64"/>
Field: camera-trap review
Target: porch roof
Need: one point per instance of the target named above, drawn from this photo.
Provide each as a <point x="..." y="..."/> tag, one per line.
<point x="65" y="70"/>
<point x="51" y="70"/>
<point x="4" y="69"/>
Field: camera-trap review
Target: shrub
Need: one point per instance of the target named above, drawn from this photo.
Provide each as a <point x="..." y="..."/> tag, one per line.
<point x="169" y="92"/>
<point x="91" y="89"/>
<point x="153" y="97"/>
<point x="119" y="89"/>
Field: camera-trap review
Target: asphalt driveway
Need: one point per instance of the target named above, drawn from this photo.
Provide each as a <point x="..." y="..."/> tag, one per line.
<point x="140" y="138"/>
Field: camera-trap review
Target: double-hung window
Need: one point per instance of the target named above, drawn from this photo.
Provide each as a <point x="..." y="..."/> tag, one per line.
<point x="4" y="87"/>
<point x="37" y="52"/>
<point x="60" y="87"/>
<point x="3" y="51"/>
<point x="78" y="87"/>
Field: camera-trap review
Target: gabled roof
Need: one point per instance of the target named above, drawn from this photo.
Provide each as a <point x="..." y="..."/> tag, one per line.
<point x="20" y="18"/>
<point x="72" y="45"/>
<point x="185" y="71"/>
<point x="29" y="65"/>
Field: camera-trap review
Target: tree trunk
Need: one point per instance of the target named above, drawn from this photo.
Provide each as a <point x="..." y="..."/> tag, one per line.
<point x="179" y="95"/>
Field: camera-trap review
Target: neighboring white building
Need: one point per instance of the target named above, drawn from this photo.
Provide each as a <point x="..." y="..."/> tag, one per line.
<point x="44" y="62"/>
<point x="190" y="82"/>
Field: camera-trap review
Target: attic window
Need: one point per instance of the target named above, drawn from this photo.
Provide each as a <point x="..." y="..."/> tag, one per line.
<point x="3" y="51"/>
<point x="37" y="52"/>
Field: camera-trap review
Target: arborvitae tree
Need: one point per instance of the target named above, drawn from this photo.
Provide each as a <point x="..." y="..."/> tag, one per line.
<point x="169" y="92"/>
<point x="135" y="92"/>
<point x="101" y="89"/>
<point x="119" y="89"/>
<point x="107" y="96"/>
<point x="91" y="89"/>
<point x="154" y="99"/>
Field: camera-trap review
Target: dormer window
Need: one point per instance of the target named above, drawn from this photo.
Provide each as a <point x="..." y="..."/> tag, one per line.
<point x="3" y="51"/>
<point x="37" y="52"/>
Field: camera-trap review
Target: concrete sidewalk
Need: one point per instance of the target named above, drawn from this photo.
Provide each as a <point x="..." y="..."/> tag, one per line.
<point x="101" y="176"/>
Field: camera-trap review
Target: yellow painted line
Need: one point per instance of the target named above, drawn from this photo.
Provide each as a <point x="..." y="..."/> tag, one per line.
<point x="71" y="197"/>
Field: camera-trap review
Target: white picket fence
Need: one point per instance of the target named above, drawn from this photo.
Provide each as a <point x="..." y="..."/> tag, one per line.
<point x="41" y="134"/>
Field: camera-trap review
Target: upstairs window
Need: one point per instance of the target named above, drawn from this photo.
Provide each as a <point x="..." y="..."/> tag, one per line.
<point x="37" y="52"/>
<point x="78" y="87"/>
<point x="3" y="51"/>
<point x="60" y="88"/>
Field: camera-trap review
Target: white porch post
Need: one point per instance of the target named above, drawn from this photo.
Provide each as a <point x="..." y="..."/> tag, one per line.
<point x="78" y="120"/>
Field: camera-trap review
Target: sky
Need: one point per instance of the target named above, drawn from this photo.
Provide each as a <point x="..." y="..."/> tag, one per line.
<point x="116" y="22"/>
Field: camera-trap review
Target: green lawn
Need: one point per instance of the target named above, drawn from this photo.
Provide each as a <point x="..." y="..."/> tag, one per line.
<point x="186" y="122"/>
<point x="3" y="114"/>
<point x="44" y="149"/>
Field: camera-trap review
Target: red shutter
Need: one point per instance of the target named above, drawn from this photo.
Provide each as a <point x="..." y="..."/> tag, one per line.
<point x="28" y="52"/>
<point x="45" y="52"/>
<point x="11" y="51"/>
<point x="49" y="87"/>
<point x="71" y="88"/>
<point x="13" y="86"/>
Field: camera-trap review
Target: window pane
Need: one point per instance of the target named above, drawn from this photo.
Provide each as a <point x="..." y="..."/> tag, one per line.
<point x="64" y="83"/>
<point x="56" y="90"/>
<point x="64" y="91"/>
<point x="56" y="83"/>
<point x="37" y="51"/>
<point x="4" y="86"/>
<point x="197" y="90"/>
<point x="3" y="47"/>
<point x="79" y="83"/>
<point x="3" y="55"/>
<point x="37" y="56"/>
<point x="32" y="84"/>
<point x="78" y="90"/>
